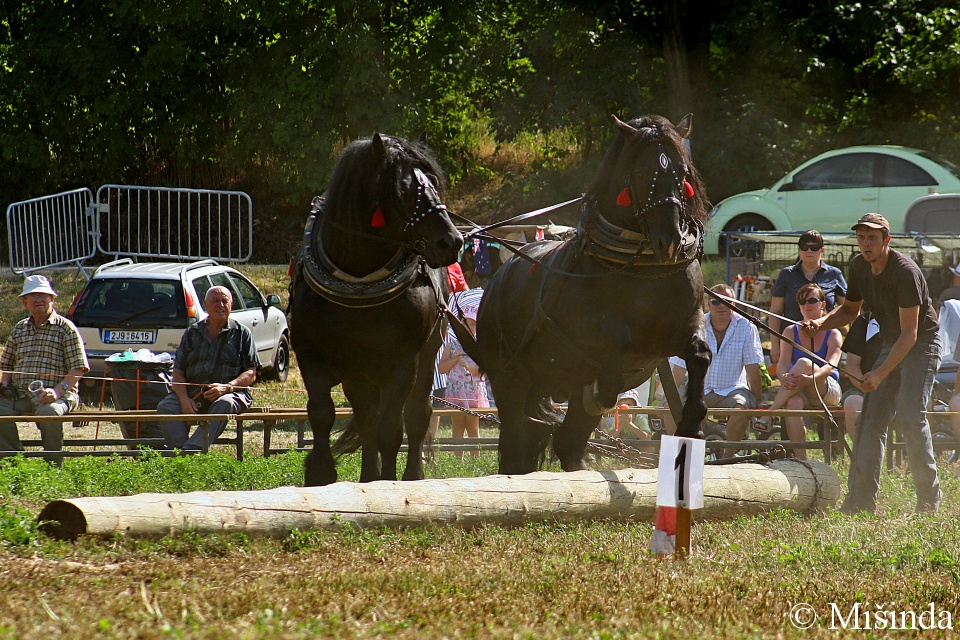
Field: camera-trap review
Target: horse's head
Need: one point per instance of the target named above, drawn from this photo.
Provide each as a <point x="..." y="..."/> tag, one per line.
<point x="389" y="188"/>
<point x="647" y="183"/>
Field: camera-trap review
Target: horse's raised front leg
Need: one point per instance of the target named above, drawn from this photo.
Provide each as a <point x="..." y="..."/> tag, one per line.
<point x="319" y="467"/>
<point x="697" y="358"/>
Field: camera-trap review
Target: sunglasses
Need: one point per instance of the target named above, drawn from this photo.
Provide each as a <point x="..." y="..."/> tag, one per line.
<point x="716" y="303"/>
<point x="810" y="301"/>
<point x="811" y="247"/>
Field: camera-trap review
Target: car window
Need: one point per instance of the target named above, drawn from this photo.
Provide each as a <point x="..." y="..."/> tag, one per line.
<point x="898" y="172"/>
<point x="201" y="285"/>
<point x="119" y="301"/>
<point x="252" y="299"/>
<point x="943" y="162"/>
<point x="848" y="171"/>
<point x="223" y="280"/>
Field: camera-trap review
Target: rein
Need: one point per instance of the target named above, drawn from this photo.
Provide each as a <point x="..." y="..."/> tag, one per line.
<point x="478" y="230"/>
<point x="725" y="301"/>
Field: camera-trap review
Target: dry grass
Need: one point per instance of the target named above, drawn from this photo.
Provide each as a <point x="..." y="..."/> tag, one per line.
<point x="588" y="580"/>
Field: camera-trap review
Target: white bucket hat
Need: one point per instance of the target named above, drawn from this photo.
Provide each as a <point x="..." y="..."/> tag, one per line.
<point x="37" y="284"/>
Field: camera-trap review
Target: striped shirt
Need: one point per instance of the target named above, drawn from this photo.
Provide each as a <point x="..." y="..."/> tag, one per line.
<point x="740" y="347"/>
<point x="46" y="353"/>
<point x="460" y="299"/>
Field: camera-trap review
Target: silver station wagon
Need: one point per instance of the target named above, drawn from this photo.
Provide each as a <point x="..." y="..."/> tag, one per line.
<point x="148" y="305"/>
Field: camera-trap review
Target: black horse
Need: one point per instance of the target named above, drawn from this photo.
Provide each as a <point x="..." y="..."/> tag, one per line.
<point x="592" y="316"/>
<point x="365" y="302"/>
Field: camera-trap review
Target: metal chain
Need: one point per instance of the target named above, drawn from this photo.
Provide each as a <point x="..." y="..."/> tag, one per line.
<point x="490" y="418"/>
<point x="816" y="481"/>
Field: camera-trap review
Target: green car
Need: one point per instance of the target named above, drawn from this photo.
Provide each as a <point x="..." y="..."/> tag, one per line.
<point x="831" y="191"/>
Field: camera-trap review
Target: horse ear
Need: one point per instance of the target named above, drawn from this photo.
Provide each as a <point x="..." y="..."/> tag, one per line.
<point x="423" y="138"/>
<point x="685" y="126"/>
<point x="379" y="148"/>
<point x="626" y="129"/>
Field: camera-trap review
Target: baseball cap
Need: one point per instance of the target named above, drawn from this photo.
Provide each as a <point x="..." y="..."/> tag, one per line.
<point x="872" y="220"/>
<point x="37" y="284"/>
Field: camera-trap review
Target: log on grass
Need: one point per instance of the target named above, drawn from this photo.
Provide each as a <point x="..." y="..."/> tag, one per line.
<point x="627" y="494"/>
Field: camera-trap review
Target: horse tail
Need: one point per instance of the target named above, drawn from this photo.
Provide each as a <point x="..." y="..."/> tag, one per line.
<point x="348" y="441"/>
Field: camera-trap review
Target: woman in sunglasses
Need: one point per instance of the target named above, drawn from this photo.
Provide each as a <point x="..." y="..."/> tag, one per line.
<point x="802" y="378"/>
<point x="809" y="268"/>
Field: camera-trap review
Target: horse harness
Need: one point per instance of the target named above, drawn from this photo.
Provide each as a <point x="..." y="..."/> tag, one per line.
<point x="621" y="251"/>
<point x="377" y="288"/>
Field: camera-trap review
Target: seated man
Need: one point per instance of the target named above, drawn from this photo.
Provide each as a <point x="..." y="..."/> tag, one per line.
<point x="45" y="347"/>
<point x="733" y="379"/>
<point x="215" y="365"/>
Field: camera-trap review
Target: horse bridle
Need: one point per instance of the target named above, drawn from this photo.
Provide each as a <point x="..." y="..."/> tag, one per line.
<point x="423" y="207"/>
<point x="664" y="164"/>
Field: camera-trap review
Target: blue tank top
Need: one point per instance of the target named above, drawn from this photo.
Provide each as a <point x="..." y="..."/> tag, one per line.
<point x="822" y="352"/>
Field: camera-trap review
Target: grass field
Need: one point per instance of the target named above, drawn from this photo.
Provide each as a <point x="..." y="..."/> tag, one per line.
<point x="749" y="577"/>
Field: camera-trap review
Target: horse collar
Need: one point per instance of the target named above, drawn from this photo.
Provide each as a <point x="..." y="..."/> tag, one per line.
<point x="610" y="243"/>
<point x="330" y="282"/>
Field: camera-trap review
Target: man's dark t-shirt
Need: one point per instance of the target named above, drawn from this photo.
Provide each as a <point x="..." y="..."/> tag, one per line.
<point x="899" y="286"/>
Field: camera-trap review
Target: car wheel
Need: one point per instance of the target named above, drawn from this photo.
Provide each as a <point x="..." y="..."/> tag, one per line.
<point x="281" y="364"/>
<point x="748" y="249"/>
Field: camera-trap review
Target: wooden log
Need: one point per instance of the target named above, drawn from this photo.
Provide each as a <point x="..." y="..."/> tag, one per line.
<point x="627" y="494"/>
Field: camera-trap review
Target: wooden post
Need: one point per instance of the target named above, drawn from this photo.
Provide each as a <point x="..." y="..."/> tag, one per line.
<point x="683" y="533"/>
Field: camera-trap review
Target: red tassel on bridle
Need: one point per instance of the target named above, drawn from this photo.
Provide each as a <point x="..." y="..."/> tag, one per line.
<point x="378" y="220"/>
<point x="687" y="189"/>
<point x="624" y="199"/>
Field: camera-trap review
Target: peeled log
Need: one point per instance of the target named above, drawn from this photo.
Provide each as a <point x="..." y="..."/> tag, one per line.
<point x="627" y="494"/>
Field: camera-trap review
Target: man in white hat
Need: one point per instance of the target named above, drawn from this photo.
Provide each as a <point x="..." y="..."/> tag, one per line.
<point x="44" y="347"/>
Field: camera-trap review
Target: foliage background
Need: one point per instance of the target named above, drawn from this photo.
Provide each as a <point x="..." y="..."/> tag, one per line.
<point x="515" y="96"/>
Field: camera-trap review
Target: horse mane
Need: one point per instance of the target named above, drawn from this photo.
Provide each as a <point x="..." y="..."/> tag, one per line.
<point x="650" y="128"/>
<point x="362" y="181"/>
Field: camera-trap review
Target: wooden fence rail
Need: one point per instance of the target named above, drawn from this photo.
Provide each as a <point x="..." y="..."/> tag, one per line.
<point x="272" y="417"/>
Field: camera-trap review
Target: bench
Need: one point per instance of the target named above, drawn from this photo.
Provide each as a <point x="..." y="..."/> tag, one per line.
<point x="84" y="417"/>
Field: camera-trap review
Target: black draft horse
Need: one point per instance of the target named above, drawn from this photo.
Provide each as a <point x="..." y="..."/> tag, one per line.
<point x="589" y="317"/>
<point x="365" y="304"/>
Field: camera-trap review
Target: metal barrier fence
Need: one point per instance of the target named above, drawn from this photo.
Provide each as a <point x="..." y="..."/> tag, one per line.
<point x="140" y="222"/>
<point x="51" y="231"/>
<point x="182" y="224"/>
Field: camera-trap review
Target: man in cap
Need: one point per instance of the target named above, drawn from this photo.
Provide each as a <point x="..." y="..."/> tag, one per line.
<point x="215" y="366"/>
<point x="44" y="348"/>
<point x="899" y="385"/>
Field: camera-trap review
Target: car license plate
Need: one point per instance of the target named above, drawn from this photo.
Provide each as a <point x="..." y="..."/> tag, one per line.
<point x="113" y="336"/>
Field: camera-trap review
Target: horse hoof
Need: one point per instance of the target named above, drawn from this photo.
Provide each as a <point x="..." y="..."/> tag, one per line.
<point x="591" y="401"/>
